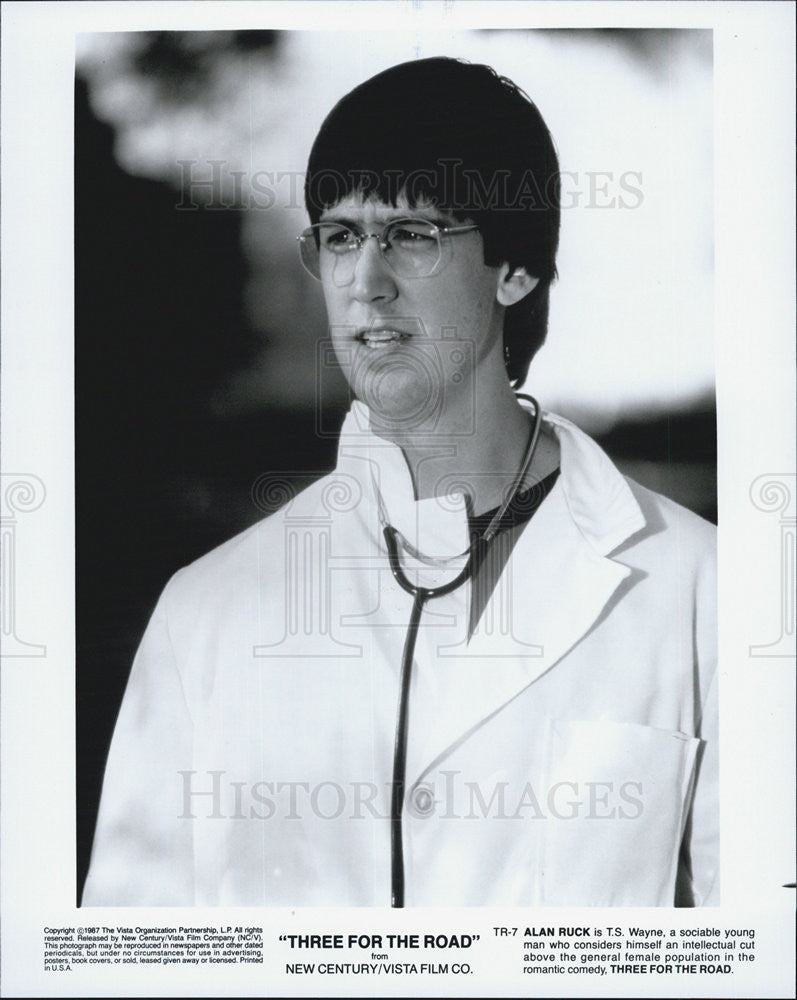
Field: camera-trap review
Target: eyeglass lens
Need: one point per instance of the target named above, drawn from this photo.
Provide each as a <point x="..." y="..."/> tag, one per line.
<point x="410" y="246"/>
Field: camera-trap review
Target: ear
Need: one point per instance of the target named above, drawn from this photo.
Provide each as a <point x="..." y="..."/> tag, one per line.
<point x="514" y="283"/>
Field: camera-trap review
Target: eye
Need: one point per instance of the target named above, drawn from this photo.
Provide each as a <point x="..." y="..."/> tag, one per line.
<point x="409" y="234"/>
<point x="337" y="238"/>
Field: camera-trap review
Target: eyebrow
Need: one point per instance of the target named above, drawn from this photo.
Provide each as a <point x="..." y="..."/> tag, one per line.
<point x="425" y="216"/>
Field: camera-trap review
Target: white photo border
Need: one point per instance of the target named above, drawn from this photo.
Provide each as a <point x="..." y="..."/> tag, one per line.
<point x="754" y="338"/>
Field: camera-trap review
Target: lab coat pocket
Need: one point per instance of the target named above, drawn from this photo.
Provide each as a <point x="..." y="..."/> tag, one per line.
<point x="618" y="795"/>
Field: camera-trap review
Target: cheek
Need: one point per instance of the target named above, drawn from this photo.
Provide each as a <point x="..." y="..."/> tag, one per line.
<point x="339" y="324"/>
<point x="332" y="301"/>
<point x="344" y="349"/>
<point x="465" y="307"/>
<point x="337" y="330"/>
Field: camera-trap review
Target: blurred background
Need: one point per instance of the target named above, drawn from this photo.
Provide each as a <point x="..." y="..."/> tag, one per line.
<point x="196" y="327"/>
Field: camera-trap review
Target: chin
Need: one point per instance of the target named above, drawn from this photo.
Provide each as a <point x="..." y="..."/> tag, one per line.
<point x="397" y="399"/>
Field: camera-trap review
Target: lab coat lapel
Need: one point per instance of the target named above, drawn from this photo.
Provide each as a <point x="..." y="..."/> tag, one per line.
<point x="557" y="582"/>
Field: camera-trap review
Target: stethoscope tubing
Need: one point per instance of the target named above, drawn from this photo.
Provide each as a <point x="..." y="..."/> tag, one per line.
<point x="420" y="596"/>
<point x="400" y="758"/>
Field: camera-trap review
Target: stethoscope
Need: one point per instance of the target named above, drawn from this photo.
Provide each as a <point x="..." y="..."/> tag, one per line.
<point x="420" y="596"/>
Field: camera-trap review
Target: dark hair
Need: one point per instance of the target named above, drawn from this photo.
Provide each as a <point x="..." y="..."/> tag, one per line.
<point x="467" y="140"/>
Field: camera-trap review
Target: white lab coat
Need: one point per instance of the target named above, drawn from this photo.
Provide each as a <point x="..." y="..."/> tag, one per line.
<point x="565" y="755"/>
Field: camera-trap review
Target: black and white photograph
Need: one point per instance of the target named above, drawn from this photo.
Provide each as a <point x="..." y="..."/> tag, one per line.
<point x="473" y="663"/>
<point x="426" y="594"/>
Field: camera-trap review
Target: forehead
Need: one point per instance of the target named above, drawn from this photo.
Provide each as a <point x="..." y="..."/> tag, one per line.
<point x="360" y="209"/>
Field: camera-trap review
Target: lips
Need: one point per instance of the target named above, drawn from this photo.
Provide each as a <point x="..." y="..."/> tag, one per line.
<point x="380" y="337"/>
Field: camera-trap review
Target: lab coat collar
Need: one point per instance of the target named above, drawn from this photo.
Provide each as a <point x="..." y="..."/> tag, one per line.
<point x="437" y="526"/>
<point x="599" y="500"/>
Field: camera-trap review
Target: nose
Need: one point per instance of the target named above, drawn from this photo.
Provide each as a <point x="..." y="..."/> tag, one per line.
<point x="373" y="278"/>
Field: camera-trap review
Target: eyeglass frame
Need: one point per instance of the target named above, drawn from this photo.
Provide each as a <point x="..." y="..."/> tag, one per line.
<point x="360" y="238"/>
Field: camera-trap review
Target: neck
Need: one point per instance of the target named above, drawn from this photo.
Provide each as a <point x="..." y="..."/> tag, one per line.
<point x="475" y="445"/>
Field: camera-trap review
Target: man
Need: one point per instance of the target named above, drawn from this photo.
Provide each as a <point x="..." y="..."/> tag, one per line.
<point x="474" y="665"/>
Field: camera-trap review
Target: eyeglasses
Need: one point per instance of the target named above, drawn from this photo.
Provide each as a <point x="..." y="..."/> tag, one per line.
<point x="413" y="248"/>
